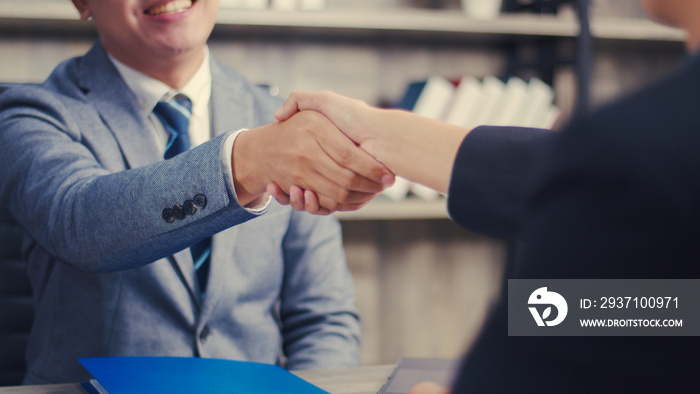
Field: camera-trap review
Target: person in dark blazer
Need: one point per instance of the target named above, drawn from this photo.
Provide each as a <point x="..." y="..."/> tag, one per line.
<point x="613" y="196"/>
<point x="109" y="223"/>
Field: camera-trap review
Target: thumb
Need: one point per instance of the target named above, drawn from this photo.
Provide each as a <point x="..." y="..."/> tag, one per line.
<point x="294" y="103"/>
<point x="287" y="110"/>
<point x="301" y="100"/>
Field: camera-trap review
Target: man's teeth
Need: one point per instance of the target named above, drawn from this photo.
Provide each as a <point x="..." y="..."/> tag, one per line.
<point x="170" y="8"/>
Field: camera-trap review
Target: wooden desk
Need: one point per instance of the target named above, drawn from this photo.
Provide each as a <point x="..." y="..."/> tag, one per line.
<point x="361" y="380"/>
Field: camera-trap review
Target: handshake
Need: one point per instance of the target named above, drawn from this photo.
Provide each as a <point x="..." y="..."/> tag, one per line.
<point x="317" y="157"/>
<point x="330" y="153"/>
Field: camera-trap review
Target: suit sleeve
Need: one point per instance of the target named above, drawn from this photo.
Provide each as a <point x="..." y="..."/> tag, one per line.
<point x="320" y="324"/>
<point x="94" y="218"/>
<point x="487" y="187"/>
<point x="614" y="197"/>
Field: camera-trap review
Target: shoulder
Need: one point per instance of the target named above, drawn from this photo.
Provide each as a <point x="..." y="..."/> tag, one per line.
<point x="60" y="87"/>
<point x="58" y="103"/>
<point x="663" y="110"/>
<point x="242" y="85"/>
<point x="646" y="141"/>
<point x="654" y="123"/>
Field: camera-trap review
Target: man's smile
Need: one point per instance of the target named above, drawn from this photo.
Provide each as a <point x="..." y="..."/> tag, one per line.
<point x="171" y="7"/>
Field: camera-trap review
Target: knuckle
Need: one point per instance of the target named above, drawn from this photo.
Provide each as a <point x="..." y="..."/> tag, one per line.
<point x="330" y="205"/>
<point x="343" y="195"/>
<point x="348" y="179"/>
<point x="345" y="179"/>
<point x="345" y="157"/>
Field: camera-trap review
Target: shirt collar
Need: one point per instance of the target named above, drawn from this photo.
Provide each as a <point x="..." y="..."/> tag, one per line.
<point x="149" y="91"/>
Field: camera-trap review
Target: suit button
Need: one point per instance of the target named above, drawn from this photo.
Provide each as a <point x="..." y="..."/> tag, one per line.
<point x="200" y="201"/>
<point x="204" y="334"/>
<point x="189" y="207"/>
<point x="178" y="212"/>
<point x="168" y="215"/>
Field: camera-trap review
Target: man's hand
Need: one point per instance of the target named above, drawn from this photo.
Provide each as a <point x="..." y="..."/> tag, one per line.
<point x="419" y="149"/>
<point x="353" y="117"/>
<point x="308" y="151"/>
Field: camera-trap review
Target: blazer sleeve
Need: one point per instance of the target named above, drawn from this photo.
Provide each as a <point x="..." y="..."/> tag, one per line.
<point x="488" y="184"/>
<point x="320" y="324"/>
<point x="99" y="219"/>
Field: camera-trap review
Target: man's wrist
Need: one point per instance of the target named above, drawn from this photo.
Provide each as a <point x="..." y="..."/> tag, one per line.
<point x="246" y="156"/>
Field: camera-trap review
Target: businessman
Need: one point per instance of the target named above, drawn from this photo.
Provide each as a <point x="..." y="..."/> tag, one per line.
<point x="613" y="196"/>
<point x="136" y="245"/>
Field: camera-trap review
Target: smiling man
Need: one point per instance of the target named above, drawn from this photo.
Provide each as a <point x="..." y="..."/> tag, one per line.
<point x="137" y="245"/>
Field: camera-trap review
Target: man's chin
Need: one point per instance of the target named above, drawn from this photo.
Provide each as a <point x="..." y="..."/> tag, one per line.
<point x="176" y="45"/>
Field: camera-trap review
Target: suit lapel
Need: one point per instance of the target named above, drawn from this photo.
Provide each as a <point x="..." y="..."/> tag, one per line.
<point x="183" y="265"/>
<point x="231" y="110"/>
<point x="114" y="101"/>
<point x="127" y="121"/>
<point x="223" y="245"/>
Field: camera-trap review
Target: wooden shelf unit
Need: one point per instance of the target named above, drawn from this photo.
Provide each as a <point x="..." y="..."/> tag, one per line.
<point x="62" y="14"/>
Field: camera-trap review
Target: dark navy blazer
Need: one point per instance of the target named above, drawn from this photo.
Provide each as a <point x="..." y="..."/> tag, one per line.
<point x="615" y="195"/>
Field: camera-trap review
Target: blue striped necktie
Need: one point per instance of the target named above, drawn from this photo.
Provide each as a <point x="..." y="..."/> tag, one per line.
<point x="175" y="115"/>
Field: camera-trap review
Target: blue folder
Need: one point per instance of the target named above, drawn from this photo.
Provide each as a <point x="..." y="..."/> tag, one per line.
<point x="193" y="375"/>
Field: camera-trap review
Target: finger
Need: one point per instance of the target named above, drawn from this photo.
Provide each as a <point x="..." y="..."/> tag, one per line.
<point x="355" y="206"/>
<point x="296" y="101"/>
<point x="296" y="197"/>
<point x="287" y="110"/>
<point x="342" y="169"/>
<point x="340" y="195"/>
<point x="333" y="206"/>
<point x="350" y="177"/>
<point x="311" y="203"/>
<point x="324" y="176"/>
<point x="276" y="192"/>
<point x="300" y="100"/>
<point x="348" y="155"/>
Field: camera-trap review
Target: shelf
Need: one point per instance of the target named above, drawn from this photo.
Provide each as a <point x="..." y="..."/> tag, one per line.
<point x="61" y="13"/>
<point x="415" y="20"/>
<point x="409" y="209"/>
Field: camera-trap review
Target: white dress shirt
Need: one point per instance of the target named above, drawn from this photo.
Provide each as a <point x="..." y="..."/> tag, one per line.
<point x="149" y="91"/>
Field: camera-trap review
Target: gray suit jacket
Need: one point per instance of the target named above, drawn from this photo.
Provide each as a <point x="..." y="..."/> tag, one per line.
<point x="81" y="172"/>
